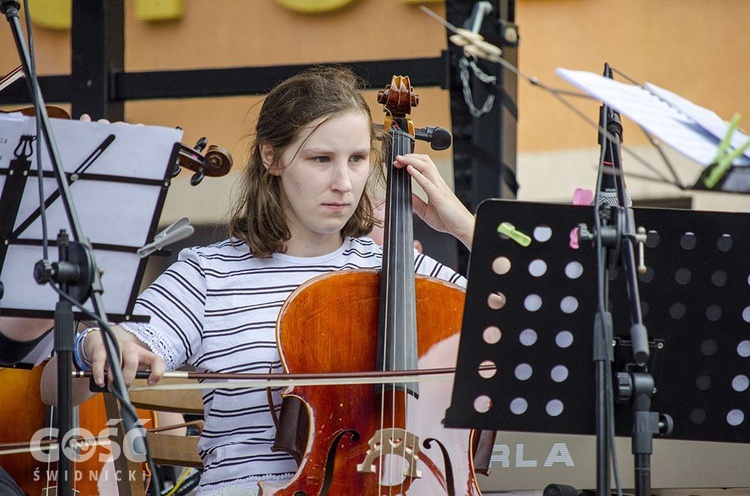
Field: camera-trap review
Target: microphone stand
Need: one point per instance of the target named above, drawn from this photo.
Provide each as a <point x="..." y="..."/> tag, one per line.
<point x="636" y="386"/>
<point x="607" y="243"/>
<point x="77" y="274"/>
<point x="616" y="242"/>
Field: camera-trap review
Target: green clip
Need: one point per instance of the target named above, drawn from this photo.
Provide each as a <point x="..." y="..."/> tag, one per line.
<point x="724" y="155"/>
<point x="509" y="230"/>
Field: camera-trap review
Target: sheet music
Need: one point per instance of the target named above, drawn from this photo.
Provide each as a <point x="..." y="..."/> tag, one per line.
<point x="688" y="128"/>
<point x="705" y="118"/>
<point x="117" y="182"/>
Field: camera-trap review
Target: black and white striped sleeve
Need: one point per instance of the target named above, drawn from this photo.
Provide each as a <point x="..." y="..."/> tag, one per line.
<point x="430" y="267"/>
<point x="176" y="303"/>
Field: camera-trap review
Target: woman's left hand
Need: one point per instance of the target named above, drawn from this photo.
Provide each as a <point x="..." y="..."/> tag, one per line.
<point x="442" y="211"/>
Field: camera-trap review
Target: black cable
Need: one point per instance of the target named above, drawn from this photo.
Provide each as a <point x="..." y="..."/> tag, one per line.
<point x="40" y="177"/>
<point x="602" y="279"/>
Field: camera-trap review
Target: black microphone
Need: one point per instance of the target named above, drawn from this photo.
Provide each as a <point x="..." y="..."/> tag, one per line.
<point x="609" y="119"/>
<point x="438" y="137"/>
<point x="608" y="186"/>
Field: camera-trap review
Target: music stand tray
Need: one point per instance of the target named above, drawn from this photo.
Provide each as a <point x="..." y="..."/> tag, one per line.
<point x="119" y="176"/>
<point x="530" y="313"/>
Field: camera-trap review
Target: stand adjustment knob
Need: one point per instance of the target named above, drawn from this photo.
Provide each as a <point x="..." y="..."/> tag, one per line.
<point x="584" y="234"/>
<point x="666" y="425"/>
<point x="43" y="272"/>
<point x="624" y="387"/>
<point x="641" y="239"/>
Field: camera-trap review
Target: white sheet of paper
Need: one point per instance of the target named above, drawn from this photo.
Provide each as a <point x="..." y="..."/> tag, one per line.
<point x="688" y="128"/>
<point x="707" y="119"/>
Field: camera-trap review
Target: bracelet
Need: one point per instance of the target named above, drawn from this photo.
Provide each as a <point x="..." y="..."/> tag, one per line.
<point x="82" y="362"/>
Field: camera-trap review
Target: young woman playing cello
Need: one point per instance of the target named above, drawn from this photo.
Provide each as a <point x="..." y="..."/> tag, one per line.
<point x="305" y="210"/>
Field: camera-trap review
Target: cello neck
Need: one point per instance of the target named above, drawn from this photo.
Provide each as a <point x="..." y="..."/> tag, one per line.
<point x="397" y="332"/>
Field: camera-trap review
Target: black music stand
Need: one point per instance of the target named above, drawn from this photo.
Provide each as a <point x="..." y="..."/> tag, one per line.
<point x="119" y="178"/>
<point x="695" y="303"/>
<point x="75" y="276"/>
<point x="119" y="175"/>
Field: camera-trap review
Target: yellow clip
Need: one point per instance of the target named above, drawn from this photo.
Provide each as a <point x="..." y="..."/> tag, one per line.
<point x="509" y="230"/>
<point x="724" y="155"/>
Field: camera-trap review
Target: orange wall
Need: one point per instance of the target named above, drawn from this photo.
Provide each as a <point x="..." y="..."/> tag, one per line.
<point x="254" y="33"/>
<point x="695" y="48"/>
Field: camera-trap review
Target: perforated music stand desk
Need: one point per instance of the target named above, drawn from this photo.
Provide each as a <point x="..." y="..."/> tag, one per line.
<point x="119" y="176"/>
<point x="695" y="300"/>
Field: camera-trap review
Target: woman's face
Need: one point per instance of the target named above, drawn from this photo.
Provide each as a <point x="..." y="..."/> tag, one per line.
<point x="323" y="175"/>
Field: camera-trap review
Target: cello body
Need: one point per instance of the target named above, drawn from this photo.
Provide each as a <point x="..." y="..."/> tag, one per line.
<point x="336" y="318"/>
<point x="24" y="416"/>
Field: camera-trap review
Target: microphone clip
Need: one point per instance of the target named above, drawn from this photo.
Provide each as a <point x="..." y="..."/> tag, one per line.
<point x="178" y="230"/>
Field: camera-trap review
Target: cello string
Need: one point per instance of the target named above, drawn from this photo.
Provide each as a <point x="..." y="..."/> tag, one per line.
<point x="387" y="467"/>
<point x="385" y="300"/>
<point x="398" y="323"/>
<point x="51" y="412"/>
<point x="408" y="317"/>
<point x="399" y="295"/>
<point x="403" y="315"/>
<point x="400" y="326"/>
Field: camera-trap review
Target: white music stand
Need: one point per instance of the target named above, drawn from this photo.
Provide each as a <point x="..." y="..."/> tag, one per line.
<point x="119" y="175"/>
<point x="690" y="129"/>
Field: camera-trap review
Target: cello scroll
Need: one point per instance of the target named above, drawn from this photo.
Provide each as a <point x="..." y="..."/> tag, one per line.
<point x="398" y="99"/>
<point x="214" y="163"/>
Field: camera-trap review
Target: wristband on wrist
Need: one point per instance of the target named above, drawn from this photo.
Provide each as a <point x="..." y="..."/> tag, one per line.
<point x="81" y="360"/>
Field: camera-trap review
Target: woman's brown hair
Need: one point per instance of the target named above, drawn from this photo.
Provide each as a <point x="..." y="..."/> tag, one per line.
<point x="258" y="217"/>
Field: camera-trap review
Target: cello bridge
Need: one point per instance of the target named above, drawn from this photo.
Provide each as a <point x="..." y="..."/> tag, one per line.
<point x="393" y="443"/>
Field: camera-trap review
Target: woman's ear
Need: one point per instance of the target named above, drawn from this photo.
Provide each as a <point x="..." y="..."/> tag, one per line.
<point x="266" y="155"/>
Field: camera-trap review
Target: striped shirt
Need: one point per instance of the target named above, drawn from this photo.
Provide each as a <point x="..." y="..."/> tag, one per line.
<point x="216" y="309"/>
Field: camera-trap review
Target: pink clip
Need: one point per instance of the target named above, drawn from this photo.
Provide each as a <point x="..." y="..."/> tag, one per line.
<point x="583" y="196"/>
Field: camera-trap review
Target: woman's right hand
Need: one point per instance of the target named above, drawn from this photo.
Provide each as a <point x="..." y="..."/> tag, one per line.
<point x="134" y="356"/>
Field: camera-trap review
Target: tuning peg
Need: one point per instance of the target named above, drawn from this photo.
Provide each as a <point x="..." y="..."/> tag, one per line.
<point x="200" y="144"/>
<point x="197" y="178"/>
<point x="176" y="169"/>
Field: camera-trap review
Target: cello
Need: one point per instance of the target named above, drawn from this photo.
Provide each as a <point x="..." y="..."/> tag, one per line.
<point x="383" y="439"/>
<point x="20" y="391"/>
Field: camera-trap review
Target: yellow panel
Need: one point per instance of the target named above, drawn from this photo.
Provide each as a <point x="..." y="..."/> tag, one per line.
<point x="52" y="14"/>
<point x="314" y="6"/>
<point x="158" y="10"/>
